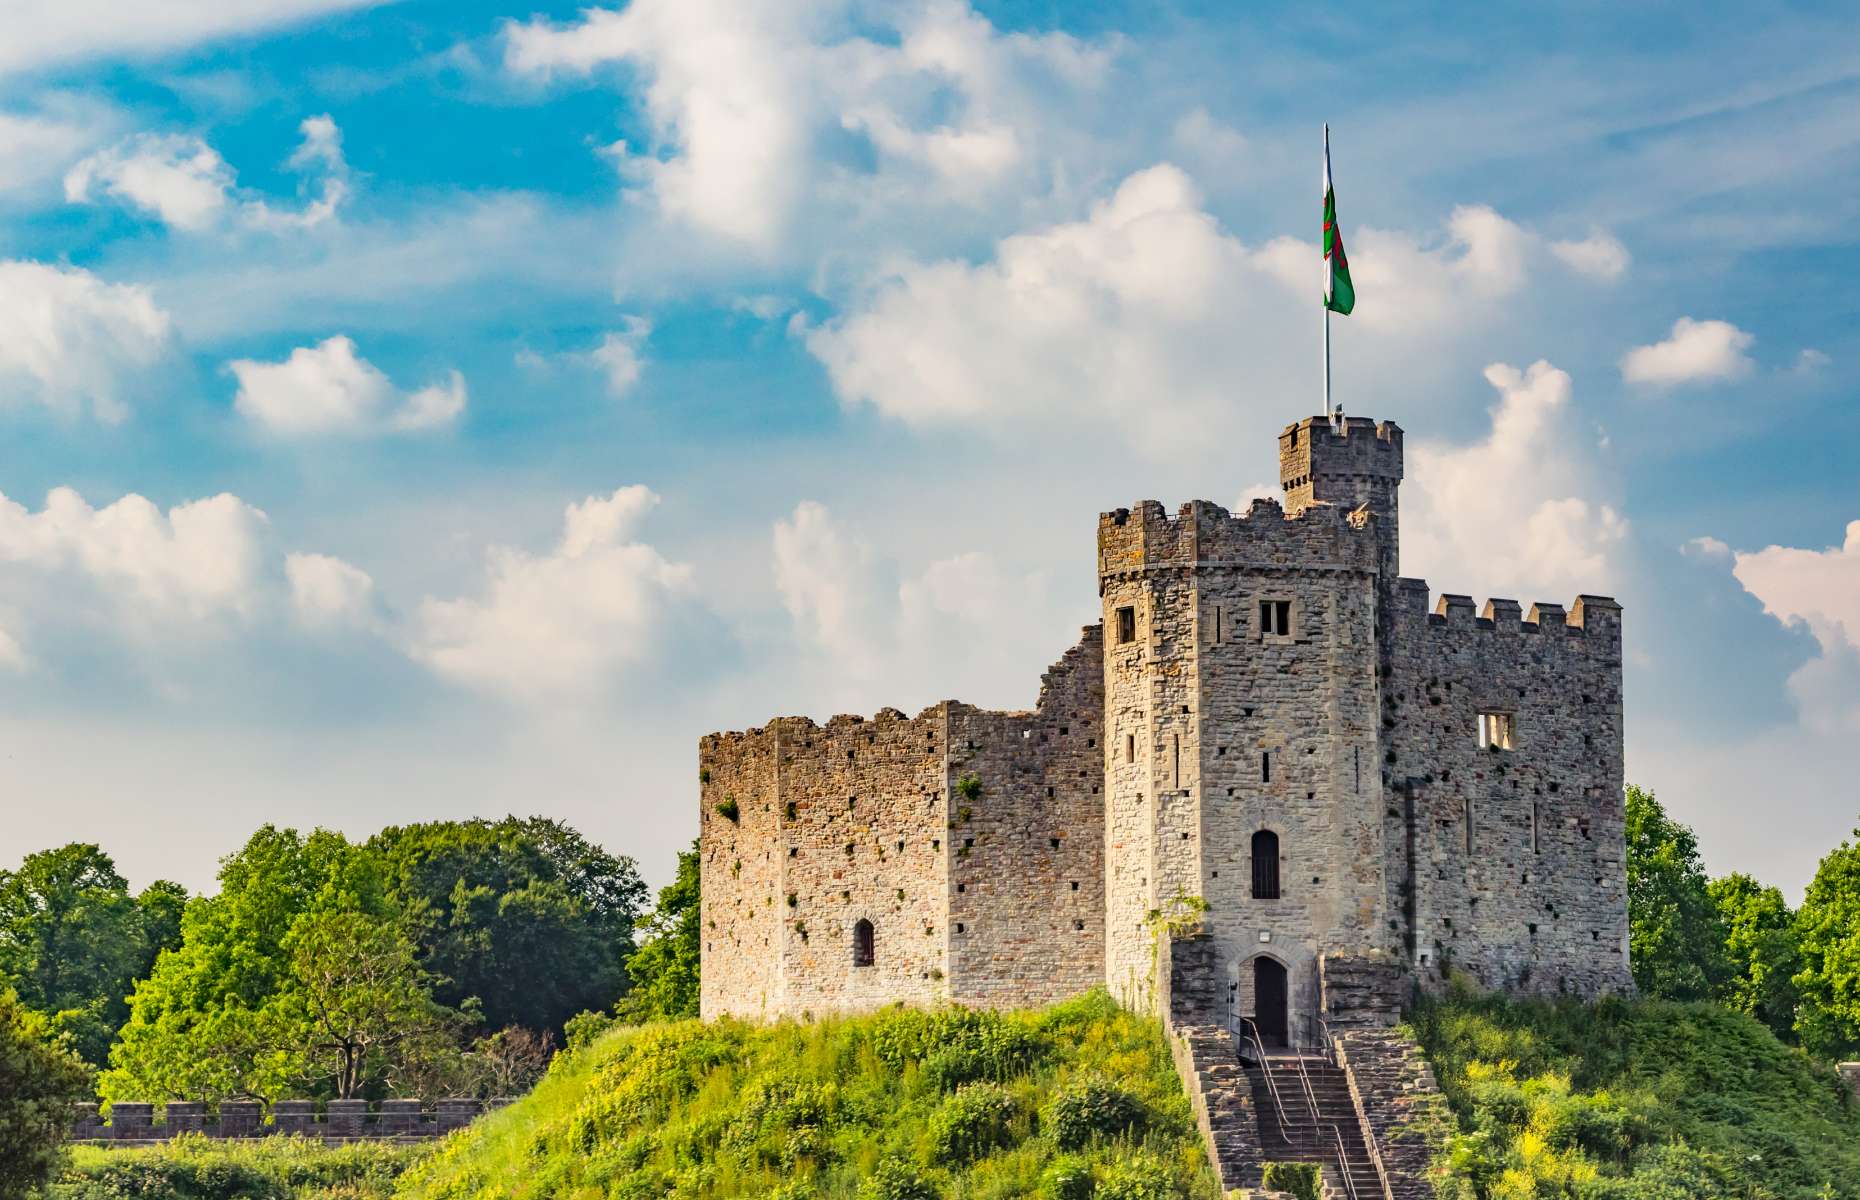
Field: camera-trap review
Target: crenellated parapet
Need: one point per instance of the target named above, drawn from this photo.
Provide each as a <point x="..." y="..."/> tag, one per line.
<point x="1591" y="625"/>
<point x="403" y="1120"/>
<point x="1203" y="534"/>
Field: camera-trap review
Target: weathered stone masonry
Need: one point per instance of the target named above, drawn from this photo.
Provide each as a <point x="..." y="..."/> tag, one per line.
<point x="1443" y="789"/>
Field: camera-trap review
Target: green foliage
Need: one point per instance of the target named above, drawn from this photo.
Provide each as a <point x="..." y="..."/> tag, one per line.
<point x="1303" y="1180"/>
<point x="969" y="787"/>
<point x="728" y="809"/>
<point x="1761" y="951"/>
<point x="894" y="1180"/>
<point x="1675" y="933"/>
<point x="194" y="1168"/>
<point x="665" y="967"/>
<point x="1141" y="1177"/>
<point x="1091" y="1109"/>
<point x="1633" y="1100"/>
<point x="835" y="1109"/>
<point x="523" y="919"/>
<point x="971" y="1124"/>
<point x="73" y="940"/>
<point x="1828" y="936"/>
<point x="40" y="1080"/>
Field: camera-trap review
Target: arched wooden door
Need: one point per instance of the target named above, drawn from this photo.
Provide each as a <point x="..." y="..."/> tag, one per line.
<point x="1269" y="1001"/>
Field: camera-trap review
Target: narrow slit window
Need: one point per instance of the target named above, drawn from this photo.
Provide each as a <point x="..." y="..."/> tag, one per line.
<point x="1275" y="617"/>
<point x="1217" y="624"/>
<point x="1469" y="826"/>
<point x="1175" y="766"/>
<point x="862" y="943"/>
<point x="1265" y="865"/>
<point x="1130" y="747"/>
<point x="1126" y="625"/>
<point x="1265" y="766"/>
<point x="1496" y="730"/>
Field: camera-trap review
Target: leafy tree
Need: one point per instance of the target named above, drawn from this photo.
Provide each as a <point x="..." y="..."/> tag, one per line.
<point x="1675" y="934"/>
<point x="73" y="941"/>
<point x="39" y="1082"/>
<point x="665" y="968"/>
<point x="198" y="1026"/>
<point x="523" y="916"/>
<point x="1760" y="947"/>
<point x="356" y="1011"/>
<point x="1828" y="935"/>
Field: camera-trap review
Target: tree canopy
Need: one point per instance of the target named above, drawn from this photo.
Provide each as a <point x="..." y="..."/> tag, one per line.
<point x="1676" y="934"/>
<point x="1828" y="938"/>
<point x="40" y="1081"/>
<point x="1760" y="949"/>
<point x="665" y="969"/>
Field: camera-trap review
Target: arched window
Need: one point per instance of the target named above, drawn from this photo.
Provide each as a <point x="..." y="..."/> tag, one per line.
<point x="1265" y="865"/>
<point x="862" y="943"/>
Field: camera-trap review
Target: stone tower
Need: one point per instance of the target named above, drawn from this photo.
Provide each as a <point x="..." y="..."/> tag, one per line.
<point x="1241" y="695"/>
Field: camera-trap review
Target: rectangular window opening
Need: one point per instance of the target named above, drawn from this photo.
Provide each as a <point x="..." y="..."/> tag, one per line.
<point x="1265" y="766"/>
<point x="1496" y="730"/>
<point x="1130" y="747"/>
<point x="1275" y="617"/>
<point x="1126" y="625"/>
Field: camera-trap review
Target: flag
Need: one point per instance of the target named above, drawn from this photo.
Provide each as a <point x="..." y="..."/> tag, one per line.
<point x="1339" y="293"/>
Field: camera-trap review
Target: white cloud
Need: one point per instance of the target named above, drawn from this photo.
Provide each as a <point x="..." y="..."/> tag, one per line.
<point x="568" y="623"/>
<point x="1706" y="547"/>
<point x="619" y="357"/>
<point x="329" y="389"/>
<point x="753" y="104"/>
<point x="1810" y="361"/>
<point x="1818" y="590"/>
<point x="180" y="180"/>
<point x="67" y="337"/>
<point x="184" y="183"/>
<point x="829" y="583"/>
<point x="326" y="591"/>
<point x="1599" y="256"/>
<point x="40" y="35"/>
<point x="1523" y="512"/>
<point x="1696" y="352"/>
<point x="38" y="141"/>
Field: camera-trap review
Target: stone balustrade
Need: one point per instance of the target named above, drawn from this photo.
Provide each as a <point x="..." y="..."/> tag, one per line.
<point x="332" y="1120"/>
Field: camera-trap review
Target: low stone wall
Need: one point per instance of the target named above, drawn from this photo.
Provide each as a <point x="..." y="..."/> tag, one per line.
<point x="1399" y="1103"/>
<point x="332" y="1120"/>
<point x="1207" y="1059"/>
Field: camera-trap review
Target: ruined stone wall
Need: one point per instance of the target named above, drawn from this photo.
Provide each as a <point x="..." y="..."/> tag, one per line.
<point x="863" y="836"/>
<point x="740" y="874"/>
<point x="404" y="1120"/>
<point x="1026" y="835"/>
<point x="1510" y="864"/>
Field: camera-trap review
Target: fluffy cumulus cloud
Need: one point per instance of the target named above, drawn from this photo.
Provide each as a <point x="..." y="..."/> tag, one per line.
<point x="68" y="338"/>
<point x="1695" y="352"/>
<point x="1148" y="297"/>
<point x="147" y="589"/>
<point x="768" y="110"/>
<point x="1524" y="512"/>
<point x="1599" y="256"/>
<point x="958" y="624"/>
<point x="183" y="182"/>
<point x="330" y="389"/>
<point x="620" y="357"/>
<point x="577" y="620"/>
<point x="1818" y="590"/>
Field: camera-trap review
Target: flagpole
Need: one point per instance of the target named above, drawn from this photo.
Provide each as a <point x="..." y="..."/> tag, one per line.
<point x="1331" y="416"/>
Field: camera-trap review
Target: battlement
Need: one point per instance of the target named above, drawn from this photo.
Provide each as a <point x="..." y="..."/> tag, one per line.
<point x="1357" y="447"/>
<point x="1592" y="617"/>
<point x="1202" y="533"/>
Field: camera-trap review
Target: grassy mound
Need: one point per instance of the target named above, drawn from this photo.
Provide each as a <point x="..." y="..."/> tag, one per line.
<point x="1073" y="1102"/>
<point x="196" y="1168"/>
<point x="1634" y="1100"/>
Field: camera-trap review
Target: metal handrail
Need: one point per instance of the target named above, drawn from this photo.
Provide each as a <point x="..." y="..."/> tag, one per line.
<point x="1343" y="1163"/>
<point x="1272" y="1087"/>
<point x="1369" y="1134"/>
<point x="1304" y="1077"/>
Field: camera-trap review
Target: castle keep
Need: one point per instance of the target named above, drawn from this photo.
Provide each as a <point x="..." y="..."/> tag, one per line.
<point x="1367" y="791"/>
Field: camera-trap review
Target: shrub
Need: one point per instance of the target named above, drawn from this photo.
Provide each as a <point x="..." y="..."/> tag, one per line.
<point x="585" y="1027"/>
<point x="1139" y="1178"/>
<point x="1068" y="1178"/>
<point x="969" y="787"/>
<point x="1091" y="1109"/>
<point x="894" y="1180"/>
<point x="1303" y="1180"/>
<point x="727" y="809"/>
<point x="971" y="1124"/>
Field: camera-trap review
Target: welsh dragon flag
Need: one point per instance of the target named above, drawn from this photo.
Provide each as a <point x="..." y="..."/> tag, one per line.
<point x="1339" y="293"/>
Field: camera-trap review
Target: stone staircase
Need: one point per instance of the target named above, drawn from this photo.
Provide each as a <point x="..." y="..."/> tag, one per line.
<point x="1307" y="1114"/>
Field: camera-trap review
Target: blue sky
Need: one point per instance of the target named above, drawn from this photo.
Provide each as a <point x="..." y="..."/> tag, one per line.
<point x="418" y="410"/>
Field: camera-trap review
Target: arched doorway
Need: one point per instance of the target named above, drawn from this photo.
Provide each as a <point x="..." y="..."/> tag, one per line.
<point x="1269" y="1001"/>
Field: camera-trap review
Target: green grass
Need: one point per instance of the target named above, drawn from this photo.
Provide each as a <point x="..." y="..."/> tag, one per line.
<point x="196" y="1168"/>
<point x="1634" y="1100"/>
<point x="1079" y="1100"/>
